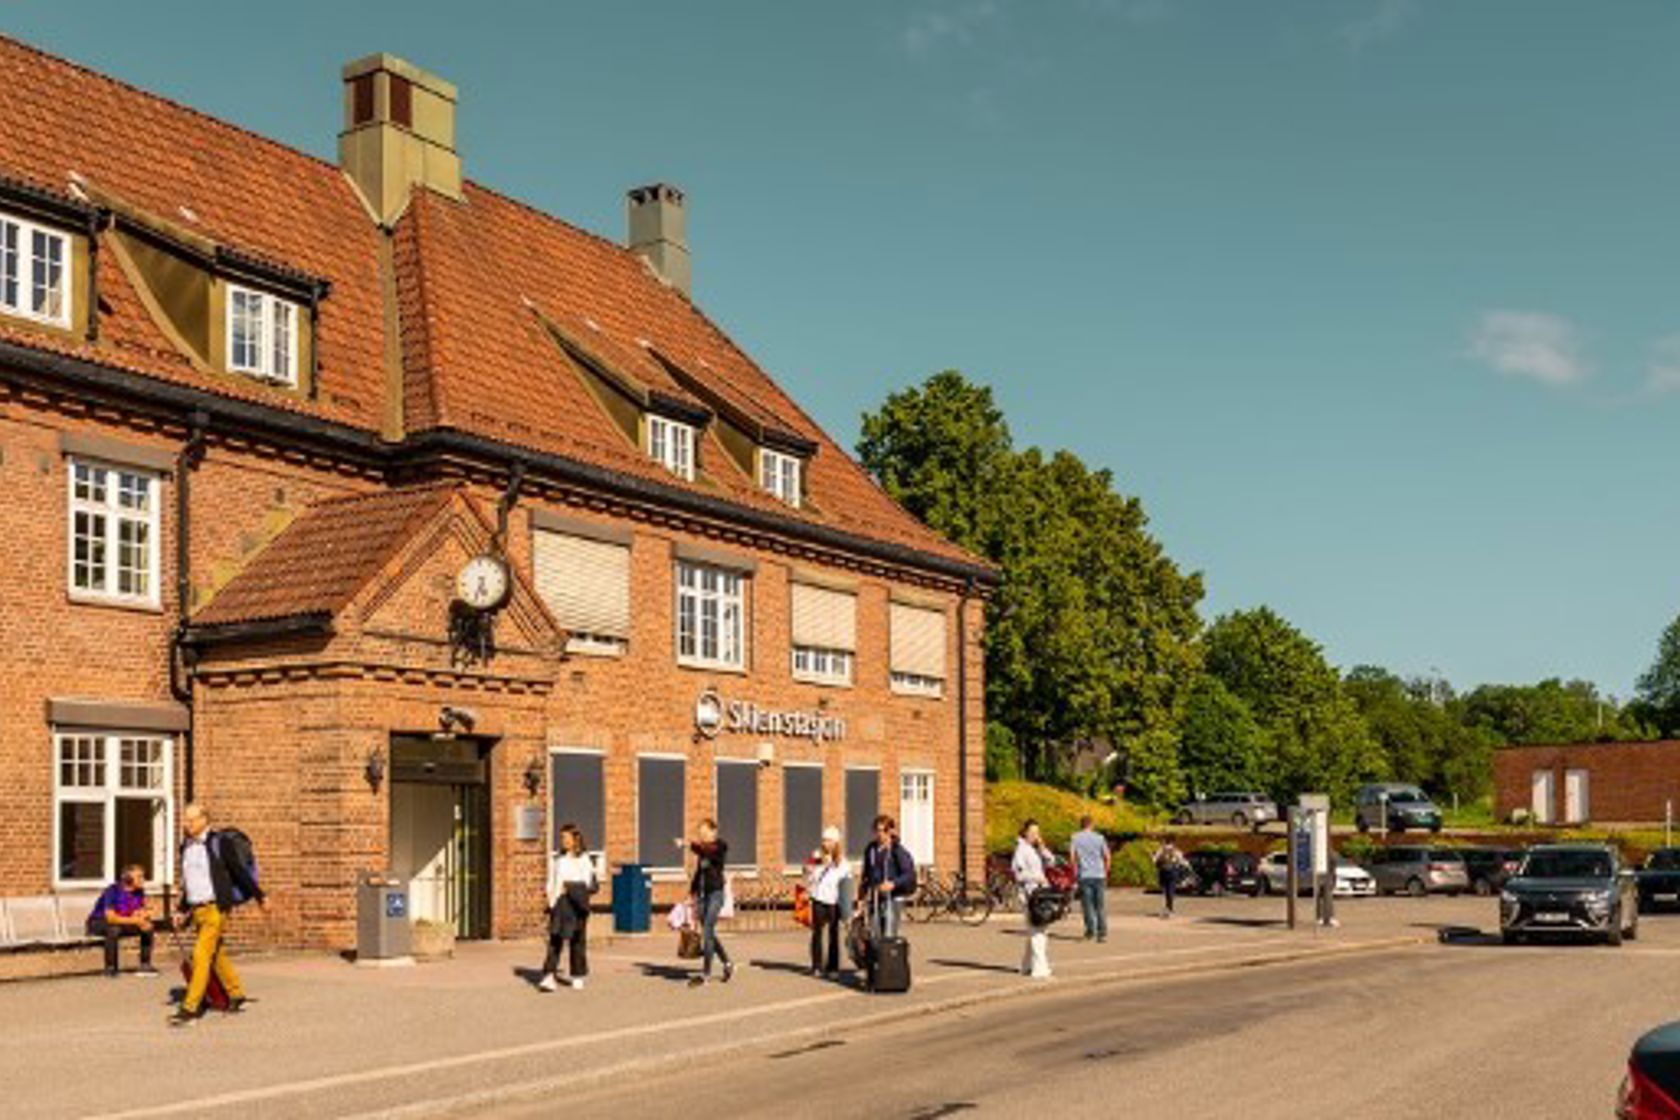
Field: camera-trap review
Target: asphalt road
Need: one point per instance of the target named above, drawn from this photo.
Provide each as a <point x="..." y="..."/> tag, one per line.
<point x="1473" y="1030"/>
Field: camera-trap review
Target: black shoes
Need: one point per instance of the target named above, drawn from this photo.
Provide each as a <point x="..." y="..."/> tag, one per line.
<point x="183" y="1018"/>
<point x="236" y="1004"/>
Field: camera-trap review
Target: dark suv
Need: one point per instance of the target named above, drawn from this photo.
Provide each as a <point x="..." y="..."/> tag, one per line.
<point x="1394" y="807"/>
<point x="1578" y="889"/>
<point x="1225" y="872"/>
<point x="1488" y="868"/>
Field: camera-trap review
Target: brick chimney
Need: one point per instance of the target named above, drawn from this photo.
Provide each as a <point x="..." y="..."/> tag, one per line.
<point x="659" y="232"/>
<point x="399" y="132"/>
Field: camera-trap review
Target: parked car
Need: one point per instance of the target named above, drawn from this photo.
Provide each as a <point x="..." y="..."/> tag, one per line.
<point x="1418" y="870"/>
<point x="1651" y="1089"/>
<point x="1242" y="810"/>
<point x="1659" y="881"/>
<point x="1394" y="806"/>
<point x="1225" y="872"/>
<point x="1352" y="880"/>
<point x="1488" y="868"/>
<point x="1570" y="889"/>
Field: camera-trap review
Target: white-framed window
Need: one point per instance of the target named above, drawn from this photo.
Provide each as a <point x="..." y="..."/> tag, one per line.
<point x="111" y="806"/>
<point x="779" y="474"/>
<point x="34" y="271"/>
<point x="915" y="814"/>
<point x="822" y="666"/>
<point x="711" y="616"/>
<point x="671" y="443"/>
<point x="113" y="533"/>
<point x="917" y="684"/>
<point x="261" y="335"/>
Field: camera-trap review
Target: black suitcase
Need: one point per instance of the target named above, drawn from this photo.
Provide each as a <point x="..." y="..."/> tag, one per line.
<point x="889" y="964"/>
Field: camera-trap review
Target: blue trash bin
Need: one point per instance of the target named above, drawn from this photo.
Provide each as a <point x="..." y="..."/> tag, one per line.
<point x="632" y="899"/>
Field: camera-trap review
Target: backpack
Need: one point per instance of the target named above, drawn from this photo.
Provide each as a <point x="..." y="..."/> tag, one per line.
<point x="234" y="847"/>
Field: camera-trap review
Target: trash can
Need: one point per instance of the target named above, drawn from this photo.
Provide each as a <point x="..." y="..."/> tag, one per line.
<point x="382" y="927"/>
<point x="632" y="899"/>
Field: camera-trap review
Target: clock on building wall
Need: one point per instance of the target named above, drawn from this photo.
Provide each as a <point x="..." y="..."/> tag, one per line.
<point x="483" y="583"/>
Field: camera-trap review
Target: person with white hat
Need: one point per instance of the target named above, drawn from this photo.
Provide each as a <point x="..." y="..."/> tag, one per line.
<point x="826" y="878"/>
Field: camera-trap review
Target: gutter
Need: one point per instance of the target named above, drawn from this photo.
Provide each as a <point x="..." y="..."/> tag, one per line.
<point x="181" y="662"/>
<point x="168" y="401"/>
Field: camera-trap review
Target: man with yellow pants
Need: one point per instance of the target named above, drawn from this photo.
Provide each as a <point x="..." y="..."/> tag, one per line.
<point x="209" y="882"/>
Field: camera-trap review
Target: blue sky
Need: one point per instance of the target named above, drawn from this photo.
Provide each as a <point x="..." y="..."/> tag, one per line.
<point x="1373" y="302"/>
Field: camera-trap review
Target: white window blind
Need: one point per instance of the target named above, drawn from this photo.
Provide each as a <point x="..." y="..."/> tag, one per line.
<point x="585" y="583"/>
<point x="824" y="618"/>
<point x="918" y="641"/>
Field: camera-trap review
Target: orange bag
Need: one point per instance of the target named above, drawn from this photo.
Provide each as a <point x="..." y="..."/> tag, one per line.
<point x="802" y="905"/>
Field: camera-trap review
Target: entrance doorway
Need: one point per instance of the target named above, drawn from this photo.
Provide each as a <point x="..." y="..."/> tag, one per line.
<point x="440" y="829"/>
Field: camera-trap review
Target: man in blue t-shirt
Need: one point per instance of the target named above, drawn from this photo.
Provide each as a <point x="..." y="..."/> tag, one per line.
<point x="121" y="912"/>
<point x="1090" y="860"/>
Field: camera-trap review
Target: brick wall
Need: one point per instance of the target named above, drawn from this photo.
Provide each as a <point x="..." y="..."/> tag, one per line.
<point x="1627" y="782"/>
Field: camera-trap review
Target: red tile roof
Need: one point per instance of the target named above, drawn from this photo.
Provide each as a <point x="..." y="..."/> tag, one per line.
<point x="475" y="280"/>
<point x="320" y="561"/>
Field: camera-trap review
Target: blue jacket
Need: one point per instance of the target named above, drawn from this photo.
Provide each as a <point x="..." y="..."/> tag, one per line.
<point x="899" y="869"/>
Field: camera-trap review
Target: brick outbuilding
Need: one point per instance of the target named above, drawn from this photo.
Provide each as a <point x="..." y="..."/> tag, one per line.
<point x="1581" y="782"/>
<point x="399" y="522"/>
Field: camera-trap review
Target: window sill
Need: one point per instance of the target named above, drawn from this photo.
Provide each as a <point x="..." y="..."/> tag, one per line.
<point x="914" y="694"/>
<point x="821" y="682"/>
<point x="91" y="599"/>
<point x="608" y="653"/>
<point x="711" y="667"/>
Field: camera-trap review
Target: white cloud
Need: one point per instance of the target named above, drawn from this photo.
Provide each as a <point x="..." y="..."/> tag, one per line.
<point x="1384" y="21"/>
<point x="1662" y="374"/>
<point x="1530" y="344"/>
<point x="934" y="27"/>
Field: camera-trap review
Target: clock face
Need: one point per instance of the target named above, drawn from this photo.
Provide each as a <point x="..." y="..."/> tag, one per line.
<point x="483" y="583"/>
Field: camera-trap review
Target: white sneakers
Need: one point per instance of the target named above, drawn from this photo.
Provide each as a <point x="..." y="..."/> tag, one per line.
<point x="551" y="983"/>
<point x="577" y="983"/>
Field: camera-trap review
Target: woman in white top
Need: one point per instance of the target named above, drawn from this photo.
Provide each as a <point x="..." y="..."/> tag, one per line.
<point x="825" y="879"/>
<point x="571" y="880"/>
<point x="1028" y="867"/>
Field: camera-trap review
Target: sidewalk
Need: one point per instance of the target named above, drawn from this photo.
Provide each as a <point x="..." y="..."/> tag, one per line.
<point x="323" y="1038"/>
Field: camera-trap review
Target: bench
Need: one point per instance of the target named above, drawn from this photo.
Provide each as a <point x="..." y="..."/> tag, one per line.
<point x="45" y="921"/>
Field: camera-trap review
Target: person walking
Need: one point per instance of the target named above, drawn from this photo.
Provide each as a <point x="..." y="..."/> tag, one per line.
<point x="571" y="881"/>
<point x="707" y="888"/>
<point x="889" y="877"/>
<point x="1091" y="858"/>
<point x="1170" y="865"/>
<point x="825" y="879"/>
<point x="1028" y="866"/>
<point x="208" y="883"/>
<point x="121" y="911"/>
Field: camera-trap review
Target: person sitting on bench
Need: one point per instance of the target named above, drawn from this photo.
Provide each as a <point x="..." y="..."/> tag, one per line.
<point x="121" y="912"/>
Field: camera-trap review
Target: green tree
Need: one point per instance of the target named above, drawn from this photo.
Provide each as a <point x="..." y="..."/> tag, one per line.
<point x="1092" y="632"/>
<point x="1420" y="727"/>
<point x="1659" y="686"/>
<point x="1221" y="745"/>
<point x="1317" y="738"/>
<point x="1552" y="711"/>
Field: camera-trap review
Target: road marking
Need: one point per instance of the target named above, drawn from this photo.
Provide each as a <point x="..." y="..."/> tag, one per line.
<point x="531" y="1049"/>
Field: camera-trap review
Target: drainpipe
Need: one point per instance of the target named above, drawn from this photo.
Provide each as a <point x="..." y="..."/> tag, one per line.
<point x="962" y="726"/>
<point x="510" y="498"/>
<point x="181" y="658"/>
<point x="96" y="222"/>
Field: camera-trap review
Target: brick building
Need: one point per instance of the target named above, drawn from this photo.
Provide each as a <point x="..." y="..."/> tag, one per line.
<point x="1580" y="782"/>
<point x="399" y="522"/>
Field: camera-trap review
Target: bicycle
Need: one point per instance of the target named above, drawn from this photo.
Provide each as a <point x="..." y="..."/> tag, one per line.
<point x="1001" y="888"/>
<point x="938" y="897"/>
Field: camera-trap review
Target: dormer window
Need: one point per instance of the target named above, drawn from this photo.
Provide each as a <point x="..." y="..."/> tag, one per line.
<point x="779" y="474"/>
<point x="671" y="443"/>
<point x="34" y="271"/>
<point x="262" y="335"/>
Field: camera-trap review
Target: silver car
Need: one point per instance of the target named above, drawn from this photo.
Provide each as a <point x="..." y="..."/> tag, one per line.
<point x="1241" y="810"/>
<point x="1418" y="871"/>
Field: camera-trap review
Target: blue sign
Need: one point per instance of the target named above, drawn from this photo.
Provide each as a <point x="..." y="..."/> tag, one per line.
<point x="396" y="904"/>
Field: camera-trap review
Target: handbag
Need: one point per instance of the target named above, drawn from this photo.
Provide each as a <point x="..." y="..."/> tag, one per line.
<point x="688" y="943"/>
<point x="802" y="906"/>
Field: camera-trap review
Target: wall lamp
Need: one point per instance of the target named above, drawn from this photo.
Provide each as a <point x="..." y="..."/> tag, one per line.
<point x="374" y="771"/>
<point x="534" y="776"/>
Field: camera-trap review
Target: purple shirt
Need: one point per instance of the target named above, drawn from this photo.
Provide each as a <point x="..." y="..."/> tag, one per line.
<point x="117" y="897"/>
